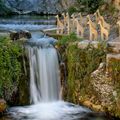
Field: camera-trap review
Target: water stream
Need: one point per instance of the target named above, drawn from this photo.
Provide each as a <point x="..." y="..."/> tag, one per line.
<point x="26" y="22"/>
<point x="44" y="74"/>
<point x="46" y="103"/>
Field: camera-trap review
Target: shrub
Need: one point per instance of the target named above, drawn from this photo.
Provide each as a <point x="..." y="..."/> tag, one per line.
<point x="10" y="66"/>
<point x="90" y="6"/>
<point x="72" y="10"/>
<point x="81" y="63"/>
<point x="68" y="38"/>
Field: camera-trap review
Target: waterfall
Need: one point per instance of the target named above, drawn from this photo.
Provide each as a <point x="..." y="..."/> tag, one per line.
<point x="44" y="77"/>
<point x="45" y="87"/>
<point x="44" y="74"/>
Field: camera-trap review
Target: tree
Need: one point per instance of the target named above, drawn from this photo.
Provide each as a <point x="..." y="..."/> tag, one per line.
<point x="3" y="9"/>
<point x="90" y="5"/>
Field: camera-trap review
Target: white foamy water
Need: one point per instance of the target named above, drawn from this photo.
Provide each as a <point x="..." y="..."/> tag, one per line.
<point x="49" y="111"/>
<point x="44" y="74"/>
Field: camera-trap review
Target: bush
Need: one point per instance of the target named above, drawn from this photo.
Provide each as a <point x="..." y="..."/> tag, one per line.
<point x="90" y="6"/>
<point x="68" y="38"/>
<point x="3" y="9"/>
<point x="81" y="63"/>
<point x="72" y="10"/>
<point x="10" y="67"/>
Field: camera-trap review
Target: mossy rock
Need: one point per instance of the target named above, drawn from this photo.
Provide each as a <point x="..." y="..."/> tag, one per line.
<point x="11" y="70"/>
<point x="80" y="64"/>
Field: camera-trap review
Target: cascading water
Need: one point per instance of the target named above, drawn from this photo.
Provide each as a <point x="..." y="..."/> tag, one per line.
<point x="45" y="87"/>
<point x="32" y="23"/>
<point x="44" y="74"/>
<point x="45" y="82"/>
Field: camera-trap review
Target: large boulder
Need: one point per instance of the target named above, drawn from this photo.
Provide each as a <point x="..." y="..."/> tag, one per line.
<point x="114" y="46"/>
<point x="86" y="43"/>
<point x="16" y="35"/>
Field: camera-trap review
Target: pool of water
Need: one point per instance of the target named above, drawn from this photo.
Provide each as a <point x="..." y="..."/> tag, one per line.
<point x="26" y="22"/>
<point x="52" y="111"/>
<point x="28" y="19"/>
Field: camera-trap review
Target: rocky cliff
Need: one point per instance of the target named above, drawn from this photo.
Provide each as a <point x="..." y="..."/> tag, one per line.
<point x="93" y="74"/>
<point x="38" y="6"/>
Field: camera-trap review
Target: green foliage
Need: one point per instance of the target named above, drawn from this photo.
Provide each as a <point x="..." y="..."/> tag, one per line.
<point x="3" y="9"/>
<point x="81" y="63"/>
<point x="114" y="67"/>
<point x="111" y="9"/>
<point x="116" y="71"/>
<point x="67" y="39"/>
<point x="72" y="10"/>
<point x="90" y="6"/>
<point x="10" y="67"/>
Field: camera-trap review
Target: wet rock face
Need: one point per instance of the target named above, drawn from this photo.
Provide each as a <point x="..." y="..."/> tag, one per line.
<point x="16" y="35"/>
<point x="38" y="6"/>
<point x="99" y="89"/>
<point x="105" y="80"/>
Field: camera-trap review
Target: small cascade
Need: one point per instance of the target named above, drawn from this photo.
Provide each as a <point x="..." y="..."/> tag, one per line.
<point x="44" y="78"/>
<point x="44" y="74"/>
<point x="45" y="87"/>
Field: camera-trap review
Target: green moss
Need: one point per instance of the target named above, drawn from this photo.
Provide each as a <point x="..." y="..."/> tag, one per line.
<point x="10" y="66"/>
<point x="89" y="6"/>
<point x="115" y="66"/>
<point x="68" y="38"/>
<point x="72" y="10"/>
<point x="115" y="72"/>
<point x="81" y="63"/>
